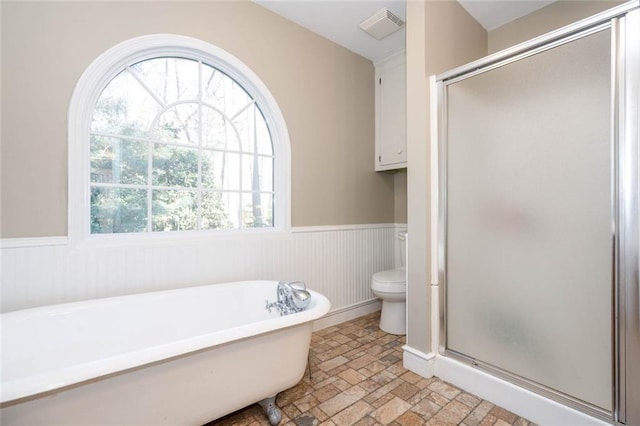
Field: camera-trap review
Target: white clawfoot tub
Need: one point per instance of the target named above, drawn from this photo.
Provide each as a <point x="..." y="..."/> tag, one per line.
<point x="184" y="356"/>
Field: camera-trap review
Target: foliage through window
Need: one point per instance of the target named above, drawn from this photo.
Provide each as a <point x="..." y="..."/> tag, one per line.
<point x="175" y="145"/>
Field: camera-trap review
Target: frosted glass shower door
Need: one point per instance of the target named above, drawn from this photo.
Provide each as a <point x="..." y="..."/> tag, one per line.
<point x="528" y="253"/>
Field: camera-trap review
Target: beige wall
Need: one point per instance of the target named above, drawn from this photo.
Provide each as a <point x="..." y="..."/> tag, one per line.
<point x="400" y="196"/>
<point x="325" y="92"/>
<point x="549" y="18"/>
<point x="440" y="35"/>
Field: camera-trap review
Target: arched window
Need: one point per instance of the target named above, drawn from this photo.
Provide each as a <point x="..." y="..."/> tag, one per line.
<point x="169" y="133"/>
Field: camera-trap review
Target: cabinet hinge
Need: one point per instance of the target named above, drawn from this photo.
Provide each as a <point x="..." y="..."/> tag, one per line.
<point x="379" y="158"/>
<point x="380" y="81"/>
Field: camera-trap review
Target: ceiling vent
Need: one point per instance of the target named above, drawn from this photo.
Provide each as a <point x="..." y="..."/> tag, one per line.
<point x="381" y="24"/>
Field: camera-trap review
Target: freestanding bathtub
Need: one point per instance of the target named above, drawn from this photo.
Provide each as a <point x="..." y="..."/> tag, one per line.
<point x="184" y="356"/>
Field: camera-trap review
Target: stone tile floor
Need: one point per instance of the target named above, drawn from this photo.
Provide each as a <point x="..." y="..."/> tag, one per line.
<point x="357" y="378"/>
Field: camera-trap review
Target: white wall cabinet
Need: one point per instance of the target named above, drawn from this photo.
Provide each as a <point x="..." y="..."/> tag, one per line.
<point x="391" y="115"/>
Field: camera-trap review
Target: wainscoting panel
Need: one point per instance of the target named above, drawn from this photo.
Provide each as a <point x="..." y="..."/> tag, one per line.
<point x="335" y="261"/>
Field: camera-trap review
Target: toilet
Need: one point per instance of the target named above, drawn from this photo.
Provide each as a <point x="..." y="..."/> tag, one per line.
<point x="391" y="287"/>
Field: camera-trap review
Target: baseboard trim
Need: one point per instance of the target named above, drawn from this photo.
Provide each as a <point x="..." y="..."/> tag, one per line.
<point x="347" y="313"/>
<point x="520" y="401"/>
<point x="418" y="362"/>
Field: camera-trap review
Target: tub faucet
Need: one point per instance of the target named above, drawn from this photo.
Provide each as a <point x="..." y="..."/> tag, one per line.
<point x="292" y="297"/>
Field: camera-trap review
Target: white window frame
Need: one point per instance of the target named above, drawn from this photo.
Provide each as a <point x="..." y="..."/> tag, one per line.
<point x="98" y="75"/>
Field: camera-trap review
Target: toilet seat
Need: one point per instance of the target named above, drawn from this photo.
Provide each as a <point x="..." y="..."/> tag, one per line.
<point x="391" y="281"/>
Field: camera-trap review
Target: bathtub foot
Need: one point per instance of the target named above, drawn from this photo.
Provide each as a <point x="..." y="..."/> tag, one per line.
<point x="271" y="410"/>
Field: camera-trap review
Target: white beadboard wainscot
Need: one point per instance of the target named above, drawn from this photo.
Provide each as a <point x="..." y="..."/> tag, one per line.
<point x="337" y="261"/>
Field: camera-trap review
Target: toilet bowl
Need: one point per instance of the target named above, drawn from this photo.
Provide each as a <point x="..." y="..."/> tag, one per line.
<point x="391" y="287"/>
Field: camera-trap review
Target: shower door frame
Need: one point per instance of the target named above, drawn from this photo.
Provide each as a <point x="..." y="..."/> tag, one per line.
<point x="627" y="256"/>
<point x="624" y="23"/>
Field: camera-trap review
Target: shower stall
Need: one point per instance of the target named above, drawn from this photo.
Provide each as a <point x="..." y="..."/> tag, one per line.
<point x="538" y="215"/>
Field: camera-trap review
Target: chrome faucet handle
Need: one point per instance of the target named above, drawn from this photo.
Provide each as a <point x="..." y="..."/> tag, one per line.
<point x="292" y="297"/>
<point x="277" y="304"/>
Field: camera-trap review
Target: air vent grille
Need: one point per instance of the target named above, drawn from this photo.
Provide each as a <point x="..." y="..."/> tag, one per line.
<point x="381" y="24"/>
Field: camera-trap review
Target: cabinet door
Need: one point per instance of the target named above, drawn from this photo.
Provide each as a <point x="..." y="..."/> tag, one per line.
<point x="391" y="118"/>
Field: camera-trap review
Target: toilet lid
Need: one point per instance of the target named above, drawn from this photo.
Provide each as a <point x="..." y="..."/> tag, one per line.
<point x="391" y="276"/>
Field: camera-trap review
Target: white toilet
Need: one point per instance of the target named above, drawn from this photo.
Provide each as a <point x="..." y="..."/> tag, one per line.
<point x="391" y="287"/>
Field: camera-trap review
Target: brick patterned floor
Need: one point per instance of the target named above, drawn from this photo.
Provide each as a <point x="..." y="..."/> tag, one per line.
<point x="357" y="378"/>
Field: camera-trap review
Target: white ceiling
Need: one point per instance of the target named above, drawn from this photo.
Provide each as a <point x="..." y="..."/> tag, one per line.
<point x="337" y="20"/>
<point x="495" y="13"/>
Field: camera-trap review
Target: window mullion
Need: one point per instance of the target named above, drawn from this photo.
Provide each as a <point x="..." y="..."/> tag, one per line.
<point x="150" y="188"/>
<point x="240" y="183"/>
<point x="243" y="109"/>
<point x="146" y="87"/>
